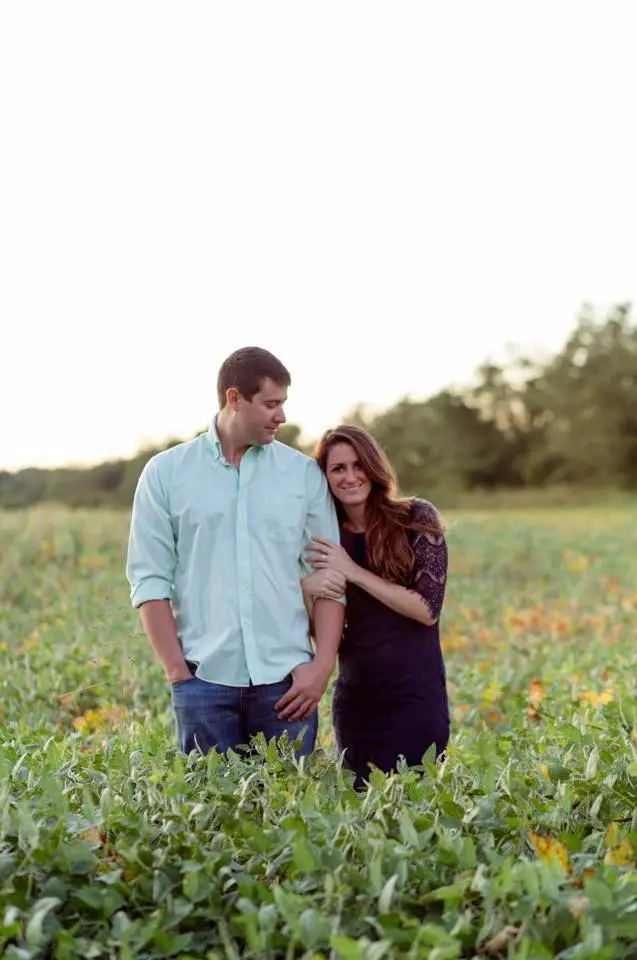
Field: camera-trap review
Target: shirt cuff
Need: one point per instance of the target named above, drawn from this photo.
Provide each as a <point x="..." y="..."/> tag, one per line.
<point x="153" y="588"/>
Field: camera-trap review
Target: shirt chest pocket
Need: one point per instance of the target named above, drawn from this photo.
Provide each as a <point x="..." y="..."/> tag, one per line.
<point x="280" y="515"/>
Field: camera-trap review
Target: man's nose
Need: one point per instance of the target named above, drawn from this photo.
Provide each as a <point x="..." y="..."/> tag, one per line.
<point x="280" y="417"/>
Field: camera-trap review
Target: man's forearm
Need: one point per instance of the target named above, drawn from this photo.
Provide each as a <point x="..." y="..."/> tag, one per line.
<point x="310" y="680"/>
<point x="160" y="628"/>
<point x="328" y="620"/>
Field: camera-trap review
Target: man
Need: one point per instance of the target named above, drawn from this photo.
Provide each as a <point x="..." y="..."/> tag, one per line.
<point x="215" y="559"/>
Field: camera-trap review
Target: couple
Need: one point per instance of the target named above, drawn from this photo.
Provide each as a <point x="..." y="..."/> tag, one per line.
<point x="235" y="539"/>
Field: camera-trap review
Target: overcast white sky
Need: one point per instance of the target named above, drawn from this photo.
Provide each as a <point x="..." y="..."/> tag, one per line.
<point x="382" y="194"/>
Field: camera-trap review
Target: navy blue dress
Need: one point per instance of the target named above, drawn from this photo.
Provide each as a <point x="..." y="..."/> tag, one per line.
<point x="390" y="695"/>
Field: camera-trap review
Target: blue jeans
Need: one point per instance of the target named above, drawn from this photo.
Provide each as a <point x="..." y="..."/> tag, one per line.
<point x="211" y="715"/>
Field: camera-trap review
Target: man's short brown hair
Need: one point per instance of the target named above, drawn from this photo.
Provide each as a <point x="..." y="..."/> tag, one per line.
<point x="246" y="369"/>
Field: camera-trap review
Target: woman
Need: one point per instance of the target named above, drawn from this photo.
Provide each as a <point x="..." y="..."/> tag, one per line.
<point x="390" y="696"/>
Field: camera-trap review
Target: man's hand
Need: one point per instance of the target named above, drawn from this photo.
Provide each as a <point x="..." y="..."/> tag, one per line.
<point x="309" y="682"/>
<point x="178" y="672"/>
<point x="160" y="628"/>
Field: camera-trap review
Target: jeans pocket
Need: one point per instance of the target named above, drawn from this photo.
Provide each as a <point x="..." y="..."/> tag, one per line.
<point x="181" y="683"/>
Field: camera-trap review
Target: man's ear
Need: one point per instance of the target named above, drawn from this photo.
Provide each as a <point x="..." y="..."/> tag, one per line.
<point x="232" y="397"/>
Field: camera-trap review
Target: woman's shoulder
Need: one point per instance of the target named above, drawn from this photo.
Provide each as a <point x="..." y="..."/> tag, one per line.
<point x="423" y="511"/>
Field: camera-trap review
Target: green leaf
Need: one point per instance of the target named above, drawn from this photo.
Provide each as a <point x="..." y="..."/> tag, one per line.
<point x="452" y="808"/>
<point x="599" y="894"/>
<point x="35" y="932"/>
<point x="376" y="872"/>
<point x="378" y="950"/>
<point x="121" y="923"/>
<point x="557" y="771"/>
<point x="387" y="894"/>
<point x="347" y="948"/>
<point x="7" y="866"/>
<point x="10" y="925"/>
<point x="453" y="891"/>
<point x="592" y="764"/>
<point x="308" y="800"/>
<point x="467" y="859"/>
<point x="302" y="856"/>
<point x="408" y="831"/>
<point x="191" y="884"/>
<point x="313" y="927"/>
<point x="105" y="899"/>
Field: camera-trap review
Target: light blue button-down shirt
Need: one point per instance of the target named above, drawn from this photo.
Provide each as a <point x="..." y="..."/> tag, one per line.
<point x="226" y="546"/>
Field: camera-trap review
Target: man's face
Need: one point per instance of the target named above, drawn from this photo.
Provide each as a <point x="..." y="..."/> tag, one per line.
<point x="260" y="418"/>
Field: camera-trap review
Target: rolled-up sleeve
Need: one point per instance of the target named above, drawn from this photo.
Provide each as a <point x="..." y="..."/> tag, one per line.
<point x="321" y="519"/>
<point x="152" y="555"/>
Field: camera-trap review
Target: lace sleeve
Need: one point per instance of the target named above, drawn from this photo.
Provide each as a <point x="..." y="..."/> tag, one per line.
<point x="430" y="550"/>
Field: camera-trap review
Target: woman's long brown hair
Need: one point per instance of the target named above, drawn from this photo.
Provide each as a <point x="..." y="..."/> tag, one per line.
<point x="387" y="517"/>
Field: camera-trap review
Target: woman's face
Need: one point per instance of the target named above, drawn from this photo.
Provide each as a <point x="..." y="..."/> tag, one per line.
<point x="346" y="478"/>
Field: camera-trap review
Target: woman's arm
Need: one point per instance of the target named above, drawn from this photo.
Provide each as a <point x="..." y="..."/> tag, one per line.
<point x="309" y="606"/>
<point x="401" y="600"/>
<point x="422" y="602"/>
<point x="322" y="583"/>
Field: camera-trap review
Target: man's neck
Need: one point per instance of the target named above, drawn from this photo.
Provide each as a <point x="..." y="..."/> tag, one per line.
<point x="233" y="447"/>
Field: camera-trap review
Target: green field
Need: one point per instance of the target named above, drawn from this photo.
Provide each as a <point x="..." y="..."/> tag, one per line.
<point x="522" y="845"/>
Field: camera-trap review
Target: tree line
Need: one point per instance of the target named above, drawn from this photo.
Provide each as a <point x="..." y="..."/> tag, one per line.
<point x="570" y="419"/>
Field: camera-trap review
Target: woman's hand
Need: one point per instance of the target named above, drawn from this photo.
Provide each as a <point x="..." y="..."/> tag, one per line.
<point x="323" y="554"/>
<point x="324" y="583"/>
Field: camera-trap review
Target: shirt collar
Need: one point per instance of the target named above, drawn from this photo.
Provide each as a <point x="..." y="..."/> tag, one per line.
<point x="215" y="442"/>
